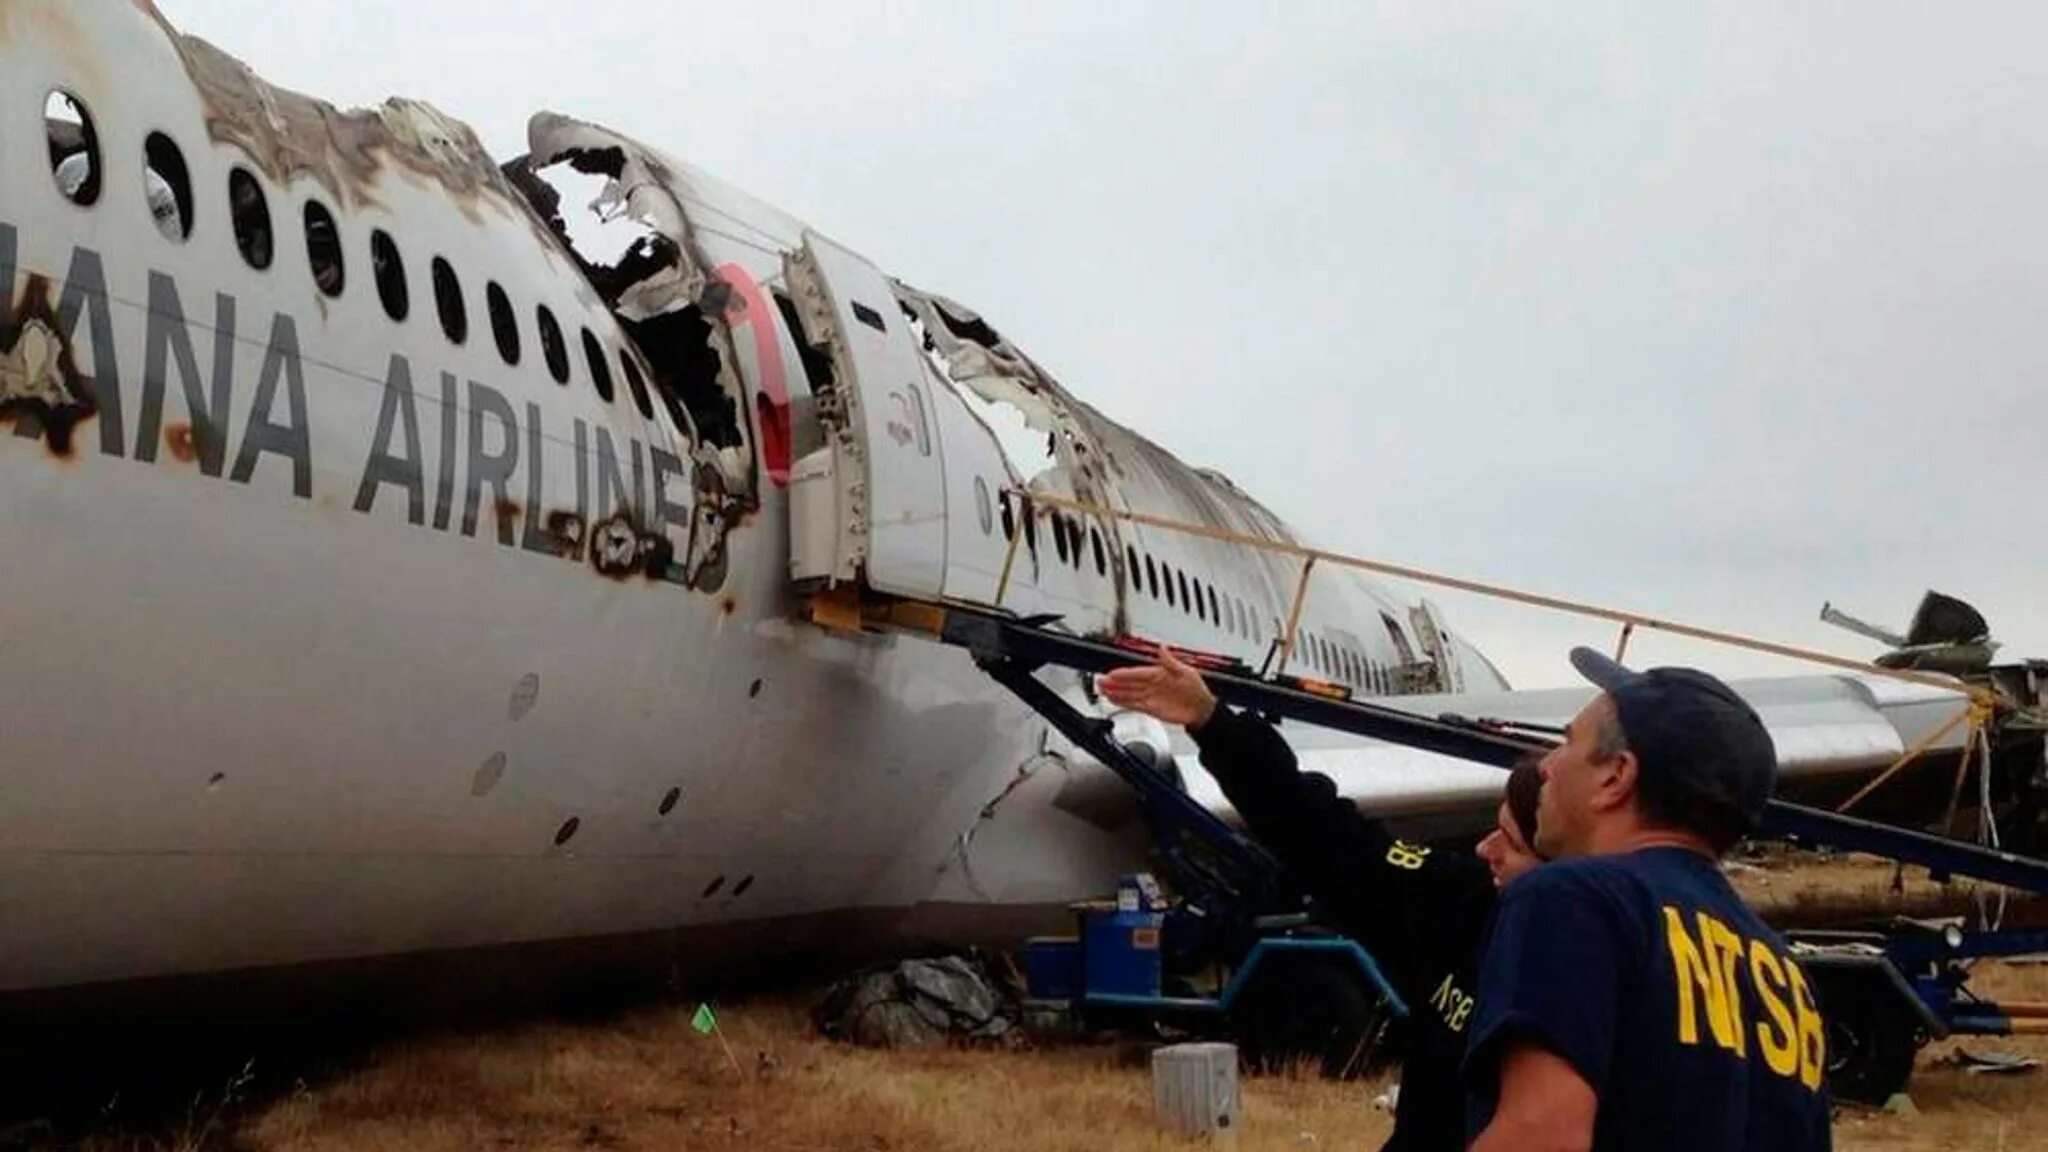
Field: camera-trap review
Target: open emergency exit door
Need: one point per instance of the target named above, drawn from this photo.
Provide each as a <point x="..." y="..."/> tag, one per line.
<point x="871" y="503"/>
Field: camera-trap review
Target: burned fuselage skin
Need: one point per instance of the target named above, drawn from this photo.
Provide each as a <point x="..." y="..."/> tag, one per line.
<point x="430" y="591"/>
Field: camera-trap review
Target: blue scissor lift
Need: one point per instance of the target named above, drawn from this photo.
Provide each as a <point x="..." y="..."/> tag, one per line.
<point x="1233" y="916"/>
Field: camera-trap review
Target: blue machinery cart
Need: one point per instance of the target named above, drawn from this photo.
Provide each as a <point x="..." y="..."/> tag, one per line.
<point x="1233" y="912"/>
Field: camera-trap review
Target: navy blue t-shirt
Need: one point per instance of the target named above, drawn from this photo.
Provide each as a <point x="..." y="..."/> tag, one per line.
<point x="1647" y="974"/>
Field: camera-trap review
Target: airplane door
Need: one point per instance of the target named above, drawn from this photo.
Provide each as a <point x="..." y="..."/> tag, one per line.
<point x="885" y="459"/>
<point x="1436" y="641"/>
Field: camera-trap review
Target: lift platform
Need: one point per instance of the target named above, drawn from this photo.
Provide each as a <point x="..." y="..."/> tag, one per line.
<point x="1884" y="993"/>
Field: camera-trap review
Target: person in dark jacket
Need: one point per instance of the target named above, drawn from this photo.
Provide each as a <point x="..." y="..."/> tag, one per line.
<point x="1421" y="912"/>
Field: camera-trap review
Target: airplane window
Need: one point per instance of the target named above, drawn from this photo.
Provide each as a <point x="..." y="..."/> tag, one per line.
<point x="448" y="301"/>
<point x="250" y="211"/>
<point x="1059" y="536"/>
<point x="1244" y="618"/>
<point x="1074" y="538"/>
<point x="1009" y="518"/>
<point x="1131" y="566"/>
<point x="504" y="328"/>
<point x="1187" y="603"/>
<point x="323" y="249"/>
<point x="981" y="506"/>
<point x="552" y="347"/>
<point x="1166" y="578"/>
<point x="636" y="385"/>
<point x="600" y="374"/>
<point x="389" y="269"/>
<point x="1152" y="576"/>
<point x="1031" y="533"/>
<point x="74" y="148"/>
<point x="1215" y="613"/>
<point x="167" y="185"/>
<point x="1201" y="602"/>
<point x="1101" y="558"/>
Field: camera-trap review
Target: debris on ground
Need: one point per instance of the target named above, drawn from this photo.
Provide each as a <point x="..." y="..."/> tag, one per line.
<point x="1991" y="1062"/>
<point x="921" y="1003"/>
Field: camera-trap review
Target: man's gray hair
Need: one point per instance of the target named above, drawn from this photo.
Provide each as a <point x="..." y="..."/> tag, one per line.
<point x="1609" y="740"/>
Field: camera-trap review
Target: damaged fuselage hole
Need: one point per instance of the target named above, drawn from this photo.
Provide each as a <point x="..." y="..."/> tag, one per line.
<point x="689" y="373"/>
<point x="41" y="389"/>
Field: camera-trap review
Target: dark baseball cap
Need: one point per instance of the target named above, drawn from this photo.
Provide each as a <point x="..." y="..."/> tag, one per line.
<point x="1708" y="763"/>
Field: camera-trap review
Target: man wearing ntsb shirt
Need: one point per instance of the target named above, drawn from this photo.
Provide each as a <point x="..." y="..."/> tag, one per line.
<point x="1628" y="999"/>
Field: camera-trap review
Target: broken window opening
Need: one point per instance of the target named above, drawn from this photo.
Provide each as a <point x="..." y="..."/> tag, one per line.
<point x="388" y="268"/>
<point x="622" y="242"/>
<point x="74" y="148"/>
<point x="681" y="349"/>
<point x="600" y="373"/>
<point x="448" y="302"/>
<point x="638" y="387"/>
<point x="504" y="327"/>
<point x="167" y="185"/>
<point x="250" y="211"/>
<point x="553" y="348"/>
<point x="323" y="249"/>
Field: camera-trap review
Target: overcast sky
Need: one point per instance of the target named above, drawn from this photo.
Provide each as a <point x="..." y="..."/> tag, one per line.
<point x="1709" y="313"/>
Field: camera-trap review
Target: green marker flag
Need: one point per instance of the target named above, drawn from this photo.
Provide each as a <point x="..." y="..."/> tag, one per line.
<point x="704" y="1022"/>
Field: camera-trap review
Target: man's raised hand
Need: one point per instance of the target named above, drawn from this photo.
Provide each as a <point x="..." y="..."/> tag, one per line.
<point x="1169" y="690"/>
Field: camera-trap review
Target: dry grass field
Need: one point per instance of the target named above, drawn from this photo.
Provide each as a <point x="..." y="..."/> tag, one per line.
<point x="649" y="1081"/>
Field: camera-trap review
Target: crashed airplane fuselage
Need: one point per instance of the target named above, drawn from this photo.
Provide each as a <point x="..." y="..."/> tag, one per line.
<point x="391" y="574"/>
<point x="396" y="570"/>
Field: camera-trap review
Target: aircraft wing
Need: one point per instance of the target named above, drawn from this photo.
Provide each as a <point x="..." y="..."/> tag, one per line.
<point x="1828" y="729"/>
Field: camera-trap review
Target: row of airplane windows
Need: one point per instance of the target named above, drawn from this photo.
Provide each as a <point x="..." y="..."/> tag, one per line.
<point x="1191" y="595"/>
<point x="167" y="188"/>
